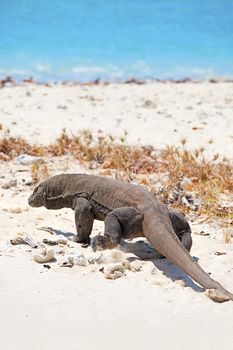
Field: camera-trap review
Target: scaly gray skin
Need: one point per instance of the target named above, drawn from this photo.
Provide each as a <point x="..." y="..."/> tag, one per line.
<point x="87" y="209"/>
<point x="128" y="211"/>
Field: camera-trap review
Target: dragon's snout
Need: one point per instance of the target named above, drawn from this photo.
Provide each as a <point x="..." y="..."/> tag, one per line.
<point x="31" y="201"/>
<point x="36" y="199"/>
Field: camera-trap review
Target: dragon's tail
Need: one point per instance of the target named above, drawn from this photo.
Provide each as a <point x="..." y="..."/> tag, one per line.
<point x="160" y="234"/>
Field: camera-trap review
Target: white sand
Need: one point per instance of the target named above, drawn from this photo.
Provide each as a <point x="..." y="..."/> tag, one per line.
<point x="156" y="113"/>
<point x="77" y="308"/>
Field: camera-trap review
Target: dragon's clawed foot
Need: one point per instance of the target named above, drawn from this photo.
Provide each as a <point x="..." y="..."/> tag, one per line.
<point x="85" y="242"/>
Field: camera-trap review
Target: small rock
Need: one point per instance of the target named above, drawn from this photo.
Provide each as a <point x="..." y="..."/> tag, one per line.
<point x="185" y="202"/>
<point x="26" y="159"/>
<point x="197" y="202"/>
<point x="59" y="239"/>
<point x="201" y="233"/>
<point x="185" y="182"/>
<point x="91" y="261"/>
<point x="46" y="266"/>
<point x="11" y="183"/>
<point x="94" y="164"/>
<point x="67" y="262"/>
<point x="28" y="182"/>
<point x="219" y="253"/>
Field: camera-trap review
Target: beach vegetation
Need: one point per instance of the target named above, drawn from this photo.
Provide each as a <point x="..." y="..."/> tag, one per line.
<point x="179" y="176"/>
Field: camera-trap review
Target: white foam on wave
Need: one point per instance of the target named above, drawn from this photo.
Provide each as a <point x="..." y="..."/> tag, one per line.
<point x="138" y="69"/>
<point x="43" y="67"/>
<point x="88" y="69"/>
<point x="14" y="72"/>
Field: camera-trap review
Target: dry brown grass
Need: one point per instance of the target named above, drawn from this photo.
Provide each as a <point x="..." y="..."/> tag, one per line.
<point x="205" y="179"/>
<point x="11" y="147"/>
<point x="208" y="178"/>
<point x="39" y="171"/>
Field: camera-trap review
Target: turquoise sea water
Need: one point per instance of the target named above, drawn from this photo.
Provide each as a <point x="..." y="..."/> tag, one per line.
<point x="115" y="39"/>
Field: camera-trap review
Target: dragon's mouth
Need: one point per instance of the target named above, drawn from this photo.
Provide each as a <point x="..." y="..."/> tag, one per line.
<point x="35" y="201"/>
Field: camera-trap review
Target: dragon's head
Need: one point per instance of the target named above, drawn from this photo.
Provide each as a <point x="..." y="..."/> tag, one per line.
<point x="38" y="197"/>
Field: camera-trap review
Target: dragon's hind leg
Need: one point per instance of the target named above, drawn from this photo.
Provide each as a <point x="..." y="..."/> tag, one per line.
<point x="125" y="222"/>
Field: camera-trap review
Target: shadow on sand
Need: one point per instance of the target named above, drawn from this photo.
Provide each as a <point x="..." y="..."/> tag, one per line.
<point x="144" y="251"/>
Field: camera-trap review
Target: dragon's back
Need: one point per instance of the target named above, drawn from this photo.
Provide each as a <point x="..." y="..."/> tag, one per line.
<point x="109" y="192"/>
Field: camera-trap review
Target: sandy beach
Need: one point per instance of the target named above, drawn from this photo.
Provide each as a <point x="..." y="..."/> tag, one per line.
<point x="157" y="113"/>
<point x="54" y="307"/>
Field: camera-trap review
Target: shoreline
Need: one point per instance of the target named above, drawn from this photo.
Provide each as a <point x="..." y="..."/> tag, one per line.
<point x="8" y="79"/>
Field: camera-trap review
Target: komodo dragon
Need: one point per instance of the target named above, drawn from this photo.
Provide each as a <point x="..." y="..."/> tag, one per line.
<point x="128" y="211"/>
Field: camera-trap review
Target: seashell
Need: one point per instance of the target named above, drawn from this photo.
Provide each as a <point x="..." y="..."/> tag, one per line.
<point x="45" y="256"/>
<point x="21" y="238"/>
<point x="28" y="240"/>
<point x="216" y="295"/>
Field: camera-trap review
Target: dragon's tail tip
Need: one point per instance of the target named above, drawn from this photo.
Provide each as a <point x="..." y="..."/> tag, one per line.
<point x="219" y="296"/>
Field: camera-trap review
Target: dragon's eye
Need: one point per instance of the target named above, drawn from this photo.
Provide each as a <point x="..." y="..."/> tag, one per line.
<point x="35" y="189"/>
<point x="39" y="190"/>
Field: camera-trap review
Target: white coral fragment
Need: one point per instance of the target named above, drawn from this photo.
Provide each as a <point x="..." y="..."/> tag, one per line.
<point x="45" y="256"/>
<point x="114" y="271"/>
<point x="80" y="260"/>
<point x="136" y="266"/>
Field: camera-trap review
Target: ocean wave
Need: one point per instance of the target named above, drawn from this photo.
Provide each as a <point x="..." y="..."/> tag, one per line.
<point x="15" y="72"/>
<point x="43" y="71"/>
<point x="43" y="67"/>
<point x="88" y="69"/>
